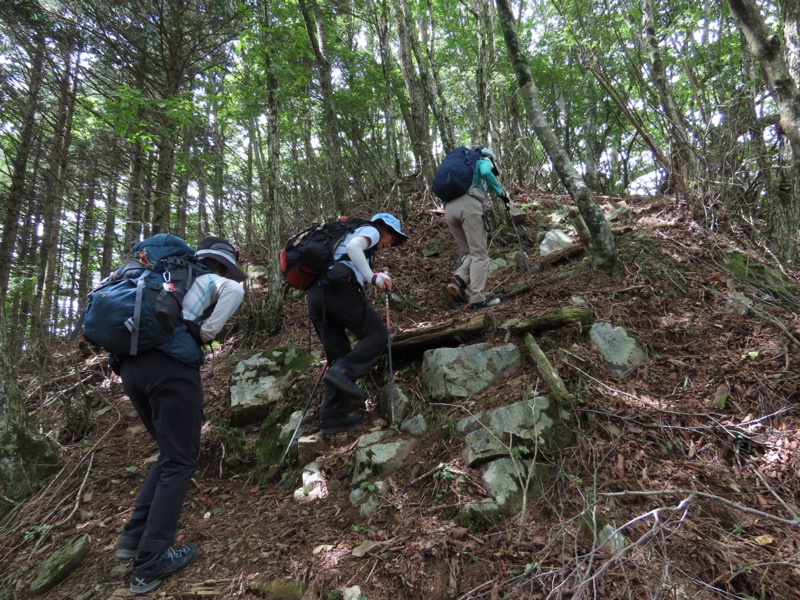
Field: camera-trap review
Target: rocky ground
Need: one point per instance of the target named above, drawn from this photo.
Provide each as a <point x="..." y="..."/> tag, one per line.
<point x="693" y="457"/>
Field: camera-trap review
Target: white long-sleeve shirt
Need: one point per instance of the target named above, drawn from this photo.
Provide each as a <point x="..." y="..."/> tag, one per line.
<point x="207" y="290"/>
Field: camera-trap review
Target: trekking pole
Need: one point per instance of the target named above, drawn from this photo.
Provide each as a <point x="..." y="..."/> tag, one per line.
<point x="391" y="371"/>
<point x="521" y="249"/>
<point x="303" y="416"/>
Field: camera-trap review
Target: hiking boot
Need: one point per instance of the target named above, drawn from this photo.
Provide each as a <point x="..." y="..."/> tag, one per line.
<point x="331" y="426"/>
<point x="336" y="377"/>
<point x="149" y="572"/>
<point x="128" y="544"/>
<point x="457" y="288"/>
<point x="484" y="304"/>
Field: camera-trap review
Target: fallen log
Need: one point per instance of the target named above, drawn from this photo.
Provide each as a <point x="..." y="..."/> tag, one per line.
<point x="551" y="320"/>
<point x="446" y="334"/>
<point x="551" y="377"/>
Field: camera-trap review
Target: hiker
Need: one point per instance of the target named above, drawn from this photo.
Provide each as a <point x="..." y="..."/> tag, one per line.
<point x="467" y="222"/>
<point x="164" y="387"/>
<point x="336" y="304"/>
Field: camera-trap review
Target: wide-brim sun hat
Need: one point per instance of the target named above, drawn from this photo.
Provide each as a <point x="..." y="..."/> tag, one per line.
<point x="394" y="224"/>
<point x="222" y="251"/>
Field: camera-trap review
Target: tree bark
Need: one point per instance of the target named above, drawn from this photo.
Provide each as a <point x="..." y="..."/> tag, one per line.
<point x="13" y="201"/>
<point x="25" y="456"/>
<point x="551" y="320"/>
<point x="766" y="47"/>
<point x="684" y="171"/>
<point x="417" y="117"/>
<point x="604" y="252"/>
<point x="551" y="377"/>
<point x="317" y="36"/>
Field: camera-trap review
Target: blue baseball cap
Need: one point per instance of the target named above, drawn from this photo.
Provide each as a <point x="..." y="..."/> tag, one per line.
<point x="393" y="223"/>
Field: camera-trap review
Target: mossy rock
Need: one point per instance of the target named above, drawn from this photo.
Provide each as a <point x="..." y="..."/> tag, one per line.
<point x="760" y="275"/>
<point x="59" y="566"/>
<point x="270" y="445"/>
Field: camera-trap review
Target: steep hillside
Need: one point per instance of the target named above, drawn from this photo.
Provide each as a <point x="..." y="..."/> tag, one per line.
<point x="693" y="456"/>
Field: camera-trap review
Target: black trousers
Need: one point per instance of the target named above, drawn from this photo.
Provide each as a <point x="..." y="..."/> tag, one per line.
<point x="168" y="397"/>
<point x="336" y="307"/>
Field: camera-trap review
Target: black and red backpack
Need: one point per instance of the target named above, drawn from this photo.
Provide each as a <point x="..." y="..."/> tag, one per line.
<point x="309" y="253"/>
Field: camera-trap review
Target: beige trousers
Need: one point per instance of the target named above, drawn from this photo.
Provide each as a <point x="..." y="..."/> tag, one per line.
<point x="464" y="217"/>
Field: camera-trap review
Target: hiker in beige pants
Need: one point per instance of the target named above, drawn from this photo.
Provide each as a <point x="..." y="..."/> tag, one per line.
<point x="464" y="218"/>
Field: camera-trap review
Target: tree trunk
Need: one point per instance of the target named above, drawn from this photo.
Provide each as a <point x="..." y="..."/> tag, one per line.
<point x="766" y="47"/>
<point x="604" y="252"/>
<point x="417" y="117"/>
<point x="381" y="27"/>
<point x="55" y="190"/>
<point x="317" y="35"/>
<point x="423" y="53"/>
<point x="19" y="167"/>
<point x="162" y="194"/>
<point x="133" y="224"/>
<point x="25" y="456"/>
<point x="684" y="171"/>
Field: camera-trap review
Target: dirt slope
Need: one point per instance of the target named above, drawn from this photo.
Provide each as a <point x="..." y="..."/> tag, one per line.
<point x="643" y="443"/>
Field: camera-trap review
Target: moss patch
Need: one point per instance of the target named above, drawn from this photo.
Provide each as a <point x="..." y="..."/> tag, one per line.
<point x="270" y="445"/>
<point x="761" y="276"/>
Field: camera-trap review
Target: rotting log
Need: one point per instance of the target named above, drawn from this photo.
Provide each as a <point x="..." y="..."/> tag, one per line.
<point x="442" y="335"/>
<point x="551" y="377"/>
<point x="570" y="251"/>
<point x="551" y="320"/>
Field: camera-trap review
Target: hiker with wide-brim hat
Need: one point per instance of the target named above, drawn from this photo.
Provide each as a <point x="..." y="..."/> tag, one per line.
<point x="336" y="305"/>
<point x="165" y="389"/>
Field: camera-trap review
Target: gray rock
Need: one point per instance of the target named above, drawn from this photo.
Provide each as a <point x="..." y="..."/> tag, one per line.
<point x="263" y="380"/>
<point x="401" y="403"/>
<point x="309" y="447"/>
<point x="468" y="370"/>
<point x="314" y="486"/>
<point x="621" y="352"/>
<point x="738" y="304"/>
<point x="529" y="427"/>
<point x="416" y="425"/>
<point x="555" y="239"/>
<point x="376" y="460"/>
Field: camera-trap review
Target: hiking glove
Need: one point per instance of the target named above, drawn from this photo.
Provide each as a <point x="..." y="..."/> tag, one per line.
<point x="504" y="197"/>
<point x="382" y="282"/>
<point x="194" y="329"/>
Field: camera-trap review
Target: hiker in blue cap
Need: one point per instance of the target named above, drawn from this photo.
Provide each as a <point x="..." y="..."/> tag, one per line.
<point x="336" y="305"/>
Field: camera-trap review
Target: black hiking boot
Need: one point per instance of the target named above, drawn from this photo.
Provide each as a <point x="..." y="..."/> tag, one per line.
<point x="148" y="572"/>
<point x="336" y="377"/>
<point x="335" y="425"/>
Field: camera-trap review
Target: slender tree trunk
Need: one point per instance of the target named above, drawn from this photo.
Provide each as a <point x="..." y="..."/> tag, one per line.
<point x="604" y="252"/>
<point x="684" y="172"/>
<point x="765" y="45"/>
<point x="162" y="194"/>
<point x="380" y="24"/>
<point x="133" y="224"/>
<point x="55" y="190"/>
<point x="423" y="53"/>
<point x="317" y="35"/>
<point x="417" y="117"/>
<point x="13" y="201"/>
